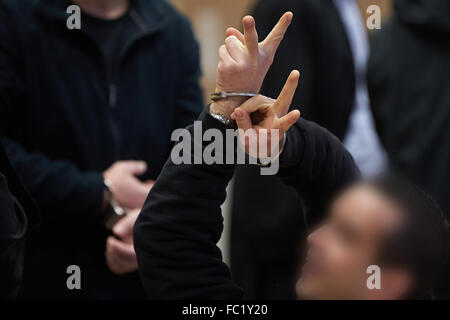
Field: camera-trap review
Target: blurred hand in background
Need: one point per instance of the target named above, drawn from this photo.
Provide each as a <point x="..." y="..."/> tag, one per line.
<point x="129" y="191"/>
<point x="120" y="254"/>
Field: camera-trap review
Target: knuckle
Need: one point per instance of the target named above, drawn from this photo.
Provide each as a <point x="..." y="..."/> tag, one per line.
<point x="240" y="68"/>
<point x="229" y="39"/>
<point x="263" y="99"/>
<point x="220" y="67"/>
<point x="234" y="68"/>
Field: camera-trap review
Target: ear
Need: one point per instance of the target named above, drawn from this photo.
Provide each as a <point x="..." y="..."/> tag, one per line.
<point x="395" y="285"/>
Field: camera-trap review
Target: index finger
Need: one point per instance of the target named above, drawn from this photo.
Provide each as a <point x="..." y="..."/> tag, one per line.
<point x="272" y="41"/>
<point x="256" y="103"/>
<point x="284" y="100"/>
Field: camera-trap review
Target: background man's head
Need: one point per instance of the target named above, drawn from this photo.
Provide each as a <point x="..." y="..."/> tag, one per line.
<point x="385" y="222"/>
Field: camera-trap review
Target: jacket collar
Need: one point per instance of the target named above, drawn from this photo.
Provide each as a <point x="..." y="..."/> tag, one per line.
<point x="152" y="15"/>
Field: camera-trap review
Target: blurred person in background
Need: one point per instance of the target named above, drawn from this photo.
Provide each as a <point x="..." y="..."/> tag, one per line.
<point x="409" y="85"/>
<point x="17" y="212"/>
<point x="328" y="43"/>
<point x="86" y="117"/>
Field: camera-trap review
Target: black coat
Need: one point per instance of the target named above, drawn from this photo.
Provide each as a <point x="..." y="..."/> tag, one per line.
<point x="409" y="86"/>
<point x="63" y="122"/>
<point x="265" y="232"/>
<point x="181" y="222"/>
<point x="17" y="212"/>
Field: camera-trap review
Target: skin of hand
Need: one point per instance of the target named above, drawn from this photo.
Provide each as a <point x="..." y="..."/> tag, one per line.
<point x="120" y="254"/>
<point x="244" y="62"/>
<point x="129" y="191"/>
<point x="260" y="112"/>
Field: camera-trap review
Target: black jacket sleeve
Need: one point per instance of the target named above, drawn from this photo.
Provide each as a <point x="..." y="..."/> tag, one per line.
<point x="181" y="222"/>
<point x="317" y="165"/>
<point x="176" y="233"/>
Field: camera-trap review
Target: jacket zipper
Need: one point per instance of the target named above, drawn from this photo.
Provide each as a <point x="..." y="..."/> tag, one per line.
<point x="110" y="79"/>
<point x="111" y="85"/>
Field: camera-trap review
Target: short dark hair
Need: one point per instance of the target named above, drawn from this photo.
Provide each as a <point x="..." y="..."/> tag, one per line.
<point x="422" y="243"/>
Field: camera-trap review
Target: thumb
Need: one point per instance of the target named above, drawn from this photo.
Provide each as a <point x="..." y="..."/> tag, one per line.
<point x="124" y="227"/>
<point x="234" y="32"/>
<point x="135" y="167"/>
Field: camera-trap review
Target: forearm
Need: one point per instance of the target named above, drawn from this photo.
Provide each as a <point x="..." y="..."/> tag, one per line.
<point x="178" y="228"/>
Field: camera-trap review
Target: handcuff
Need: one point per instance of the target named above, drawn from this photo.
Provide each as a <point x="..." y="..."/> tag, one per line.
<point x="219" y="95"/>
<point x="225" y="95"/>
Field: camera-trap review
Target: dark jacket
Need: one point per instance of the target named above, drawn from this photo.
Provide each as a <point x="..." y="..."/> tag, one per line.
<point x="181" y="222"/>
<point x="409" y="86"/>
<point x="63" y="122"/>
<point x="17" y="212"/>
<point x="265" y="232"/>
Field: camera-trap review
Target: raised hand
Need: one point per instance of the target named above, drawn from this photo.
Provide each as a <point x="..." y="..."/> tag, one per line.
<point x="244" y="62"/>
<point x="266" y="117"/>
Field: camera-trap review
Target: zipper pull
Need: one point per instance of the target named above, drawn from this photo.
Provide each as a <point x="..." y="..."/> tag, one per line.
<point x="112" y="95"/>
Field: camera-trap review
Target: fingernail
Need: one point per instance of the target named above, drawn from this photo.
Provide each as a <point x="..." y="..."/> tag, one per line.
<point x="249" y="21"/>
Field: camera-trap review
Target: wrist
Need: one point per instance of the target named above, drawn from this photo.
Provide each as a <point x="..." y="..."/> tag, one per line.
<point x="225" y="107"/>
<point x="107" y="196"/>
<point x="274" y="154"/>
<point x="111" y="211"/>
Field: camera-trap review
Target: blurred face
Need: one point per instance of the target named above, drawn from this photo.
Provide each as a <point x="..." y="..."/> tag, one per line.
<point x="340" y="251"/>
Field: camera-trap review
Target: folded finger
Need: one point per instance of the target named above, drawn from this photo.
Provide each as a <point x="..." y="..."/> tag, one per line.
<point x="255" y="103"/>
<point x="235" y="32"/>
<point x="235" y="48"/>
<point x="242" y="119"/>
<point x="224" y="56"/>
